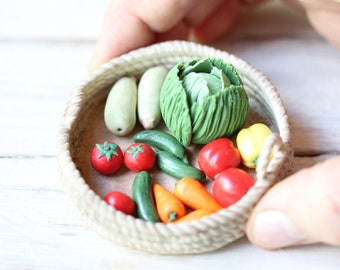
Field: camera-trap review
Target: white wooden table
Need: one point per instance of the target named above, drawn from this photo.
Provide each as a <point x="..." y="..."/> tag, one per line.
<point x="44" y="50"/>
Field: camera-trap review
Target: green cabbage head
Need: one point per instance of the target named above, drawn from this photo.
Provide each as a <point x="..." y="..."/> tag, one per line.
<point x="203" y="100"/>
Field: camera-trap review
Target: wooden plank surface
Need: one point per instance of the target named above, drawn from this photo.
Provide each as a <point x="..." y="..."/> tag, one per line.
<point x="44" y="50"/>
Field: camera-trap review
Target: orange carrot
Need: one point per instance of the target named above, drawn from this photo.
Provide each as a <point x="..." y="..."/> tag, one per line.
<point x="169" y="208"/>
<point x="193" y="194"/>
<point x="194" y="215"/>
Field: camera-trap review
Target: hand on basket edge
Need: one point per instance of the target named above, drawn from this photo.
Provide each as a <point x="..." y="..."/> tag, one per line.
<point x="302" y="209"/>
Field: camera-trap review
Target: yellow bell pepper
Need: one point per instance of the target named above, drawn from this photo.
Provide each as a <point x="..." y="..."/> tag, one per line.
<point x="250" y="142"/>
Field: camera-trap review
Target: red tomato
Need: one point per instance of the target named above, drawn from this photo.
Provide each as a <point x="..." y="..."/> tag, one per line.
<point x="106" y="157"/>
<point x="139" y="157"/>
<point x="218" y="155"/>
<point x="121" y="202"/>
<point x="231" y="185"/>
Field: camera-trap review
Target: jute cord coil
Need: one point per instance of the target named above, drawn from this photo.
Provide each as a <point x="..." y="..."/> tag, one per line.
<point x="209" y="233"/>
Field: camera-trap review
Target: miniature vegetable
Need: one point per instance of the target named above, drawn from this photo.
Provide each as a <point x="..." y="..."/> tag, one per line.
<point x="139" y="157"/>
<point x="120" y="107"/>
<point x="202" y="100"/>
<point x="218" y="155"/>
<point x="194" y="215"/>
<point x="169" y="208"/>
<point x="106" y="157"/>
<point x="250" y="142"/>
<point x="231" y="185"/>
<point x="121" y="202"/>
<point x="162" y="141"/>
<point x="176" y="168"/>
<point x="193" y="194"/>
<point x="149" y="88"/>
<point x="143" y="196"/>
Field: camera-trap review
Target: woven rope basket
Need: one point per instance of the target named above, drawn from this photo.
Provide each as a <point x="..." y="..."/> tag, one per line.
<point x="82" y="126"/>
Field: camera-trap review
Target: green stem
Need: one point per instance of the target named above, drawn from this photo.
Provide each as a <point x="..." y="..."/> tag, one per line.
<point x="172" y="216"/>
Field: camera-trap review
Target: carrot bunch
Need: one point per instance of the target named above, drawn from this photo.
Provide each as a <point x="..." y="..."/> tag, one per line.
<point x="188" y="192"/>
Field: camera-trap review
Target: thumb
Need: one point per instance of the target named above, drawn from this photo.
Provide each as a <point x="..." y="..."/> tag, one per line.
<point x="304" y="208"/>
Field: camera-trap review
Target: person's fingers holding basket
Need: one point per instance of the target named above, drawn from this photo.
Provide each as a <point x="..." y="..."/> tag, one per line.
<point x="302" y="209"/>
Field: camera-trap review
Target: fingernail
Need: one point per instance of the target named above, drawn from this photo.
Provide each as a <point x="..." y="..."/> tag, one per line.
<point x="273" y="230"/>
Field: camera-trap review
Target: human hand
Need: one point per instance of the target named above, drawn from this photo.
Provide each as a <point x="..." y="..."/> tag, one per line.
<point x="308" y="201"/>
<point x="128" y="25"/>
<point x="302" y="209"/>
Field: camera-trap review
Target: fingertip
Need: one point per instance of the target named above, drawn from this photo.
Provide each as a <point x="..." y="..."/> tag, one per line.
<point x="102" y="53"/>
<point x="94" y="62"/>
<point x="324" y="16"/>
<point x="122" y="31"/>
<point x="326" y="23"/>
<point x="273" y="230"/>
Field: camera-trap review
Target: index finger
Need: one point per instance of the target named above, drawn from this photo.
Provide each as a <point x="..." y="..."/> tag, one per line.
<point x="128" y="25"/>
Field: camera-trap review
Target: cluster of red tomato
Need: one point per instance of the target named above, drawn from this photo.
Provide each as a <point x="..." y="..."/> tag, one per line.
<point x="219" y="160"/>
<point x="137" y="157"/>
<point x="107" y="158"/>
